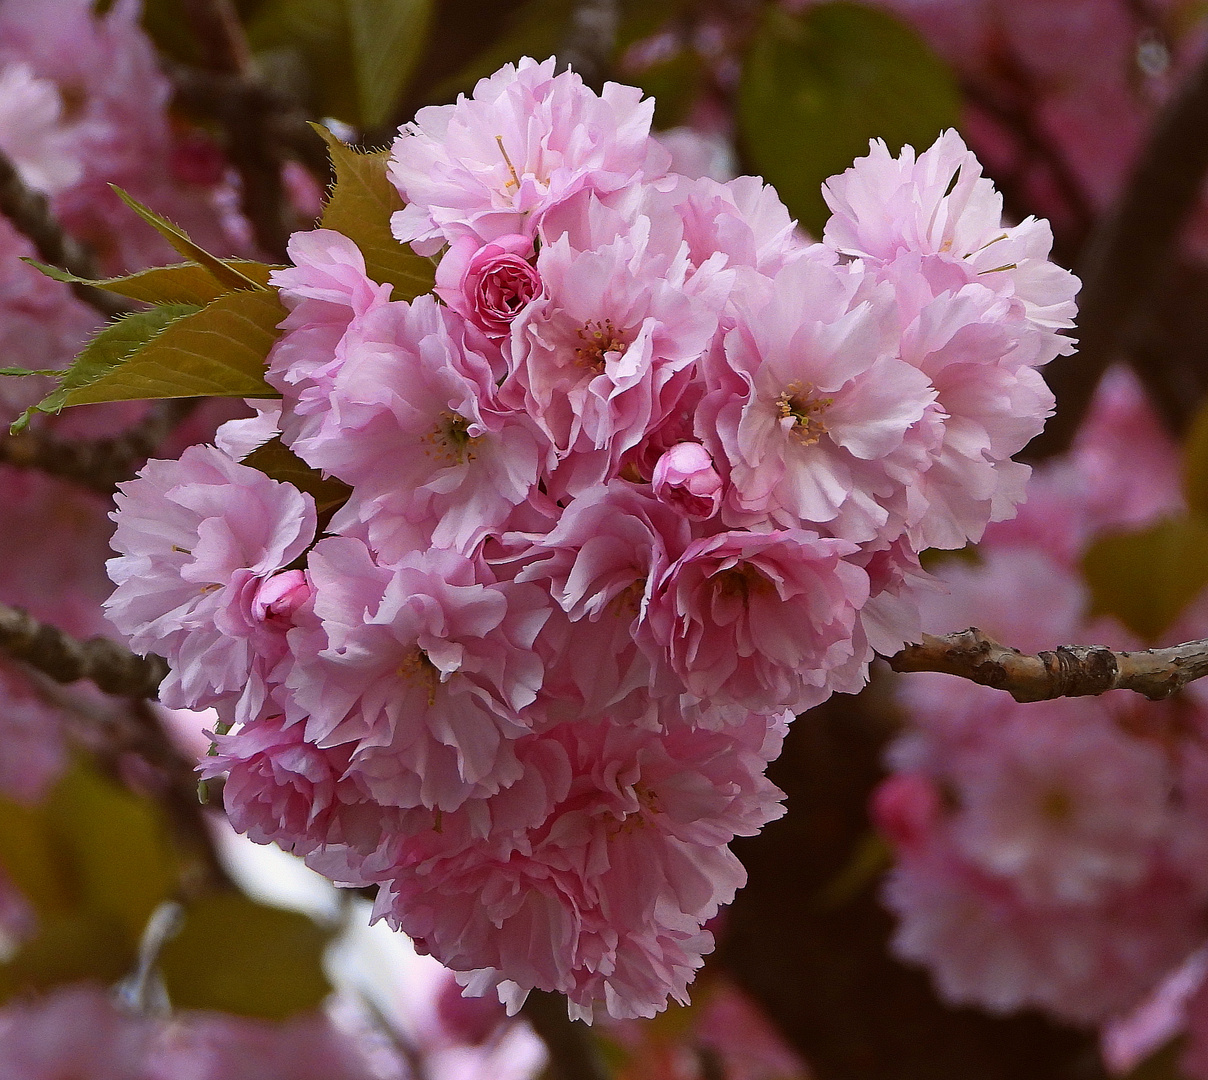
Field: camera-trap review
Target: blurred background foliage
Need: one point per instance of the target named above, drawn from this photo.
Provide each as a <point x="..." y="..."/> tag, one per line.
<point x="806" y="87"/>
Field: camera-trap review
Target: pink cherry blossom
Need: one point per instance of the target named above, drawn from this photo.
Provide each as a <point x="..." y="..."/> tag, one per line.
<point x="488" y="284"/>
<point x="1062" y="803"/>
<point x="604" y="356"/>
<point x="220" y="1046"/>
<point x="423" y="667"/>
<point x="198" y="540"/>
<point x="816" y="418"/>
<point x="492" y="164"/>
<point x="412" y="422"/>
<point x="985" y="946"/>
<point x="763" y="620"/>
<point x="606" y="900"/>
<point x="326" y="290"/>
<point x="684" y="477"/>
<point x="73" y="1030"/>
<point x="282" y="789"/>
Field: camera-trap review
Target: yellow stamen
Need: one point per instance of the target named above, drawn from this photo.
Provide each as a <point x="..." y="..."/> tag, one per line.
<point x="515" y="181"/>
<point x="799" y="403"/>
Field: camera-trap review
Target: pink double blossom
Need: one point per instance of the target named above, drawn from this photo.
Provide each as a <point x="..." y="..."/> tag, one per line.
<point x="199" y="541"/>
<point x="492" y="164"/>
<point x="488" y="284"/>
<point x="762" y="620"/>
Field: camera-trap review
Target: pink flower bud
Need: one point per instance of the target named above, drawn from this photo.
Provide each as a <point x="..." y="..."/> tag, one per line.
<point x="490" y="284"/>
<point x="280" y="596"/>
<point x="684" y="478"/>
<point x="467" y="1021"/>
<point x="905" y="808"/>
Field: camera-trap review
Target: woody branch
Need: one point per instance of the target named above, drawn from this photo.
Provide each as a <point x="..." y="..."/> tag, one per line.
<point x="1067" y="671"/>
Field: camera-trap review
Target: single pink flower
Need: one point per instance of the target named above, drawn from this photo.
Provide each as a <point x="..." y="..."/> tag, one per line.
<point x="526" y="140"/>
<point x="761" y="620"/>
<point x="684" y="478"/>
<point x="490" y="283"/>
<point x="199" y="541"/>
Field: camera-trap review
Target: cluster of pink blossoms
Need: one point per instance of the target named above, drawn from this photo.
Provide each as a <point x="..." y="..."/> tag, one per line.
<point x="647" y="474"/>
<point x="1052" y="855"/>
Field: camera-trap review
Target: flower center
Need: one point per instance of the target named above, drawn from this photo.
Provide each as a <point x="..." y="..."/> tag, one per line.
<point x="799" y="403"/>
<point x="598" y="339"/>
<point x="450" y="442"/>
<point x="740" y="583"/>
<point x="628" y="602"/>
<point x="415" y="668"/>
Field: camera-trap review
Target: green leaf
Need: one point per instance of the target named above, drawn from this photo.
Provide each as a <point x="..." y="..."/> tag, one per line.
<point x="1195" y="465"/>
<point x="1145" y="579"/>
<point x="309" y="42"/>
<point x="94" y="860"/>
<point x="32" y="371"/>
<point x="118" y="847"/>
<point x="184" y="283"/>
<point x="226" y="273"/>
<point x="817" y="86"/>
<point x="535" y="30"/>
<point x="30" y="858"/>
<point x="675" y="84"/>
<point x="107" y="351"/>
<point x="360" y="206"/>
<point x="236" y="955"/>
<point x="218" y="351"/>
<point x="387" y="38"/>
<point x="68" y="948"/>
<point x="275" y="459"/>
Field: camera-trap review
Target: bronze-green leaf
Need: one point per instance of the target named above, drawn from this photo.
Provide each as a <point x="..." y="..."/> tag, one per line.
<point x="1195" y="465"/>
<point x="360" y="207"/>
<point x="1145" y="579"/>
<point x="387" y="37"/>
<point x="275" y="459"/>
<point x="107" y="351"/>
<point x="218" y="351"/>
<point x="183" y="283"/>
<point x="817" y="86"/>
<point x="227" y="273"/>
<point x="120" y="854"/>
<point x="239" y="956"/>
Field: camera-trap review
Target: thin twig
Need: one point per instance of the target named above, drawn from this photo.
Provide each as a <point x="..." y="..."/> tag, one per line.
<point x="245" y="117"/>
<point x="573" y="1055"/>
<point x="1121" y="268"/>
<point x="30" y="213"/>
<point x="113" y="667"/>
<point x="1067" y="671"/>
<point x="98" y="465"/>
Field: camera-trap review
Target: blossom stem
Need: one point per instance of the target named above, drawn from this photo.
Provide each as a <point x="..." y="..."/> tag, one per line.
<point x="113" y="667"/>
<point x="245" y="118"/>
<point x="1067" y="671"/>
<point x="29" y="211"/>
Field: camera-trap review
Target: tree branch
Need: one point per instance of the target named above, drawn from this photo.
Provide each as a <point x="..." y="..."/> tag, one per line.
<point x="98" y="465"/>
<point x="30" y="213"/>
<point x="573" y="1055"/>
<point x="1067" y="671"/>
<point x="245" y="113"/>
<point x="113" y="667"/>
<point x="1121" y="266"/>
